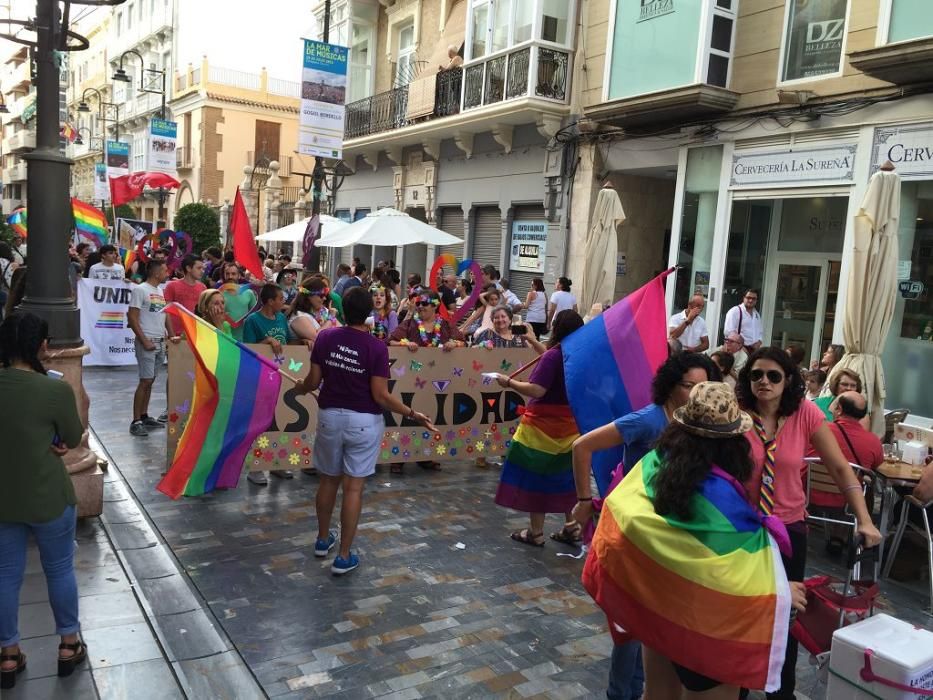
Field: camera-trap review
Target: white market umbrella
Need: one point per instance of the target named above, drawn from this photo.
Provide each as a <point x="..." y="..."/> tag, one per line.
<point x="872" y="289"/>
<point x="294" y="233"/>
<point x="388" y="227"/>
<point x="600" y="250"/>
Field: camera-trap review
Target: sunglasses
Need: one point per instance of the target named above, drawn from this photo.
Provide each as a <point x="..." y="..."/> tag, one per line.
<point x="422" y="304"/>
<point x="774" y="377"/>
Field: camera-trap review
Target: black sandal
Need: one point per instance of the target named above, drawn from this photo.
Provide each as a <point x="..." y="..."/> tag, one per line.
<point x="8" y="676"/>
<point x="528" y="537"/>
<point x="568" y="534"/>
<point x="67" y="666"/>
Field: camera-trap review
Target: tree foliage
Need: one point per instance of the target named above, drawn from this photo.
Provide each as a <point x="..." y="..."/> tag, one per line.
<point x="201" y="223"/>
<point x="124" y="211"/>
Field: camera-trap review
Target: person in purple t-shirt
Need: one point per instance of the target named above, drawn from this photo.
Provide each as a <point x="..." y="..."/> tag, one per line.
<point x="354" y="368"/>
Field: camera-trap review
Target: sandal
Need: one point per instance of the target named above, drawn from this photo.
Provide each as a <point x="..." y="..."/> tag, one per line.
<point x="66" y="666"/>
<point x="8" y="676"/>
<point x="568" y="534"/>
<point x="526" y="536"/>
<point x="396" y="468"/>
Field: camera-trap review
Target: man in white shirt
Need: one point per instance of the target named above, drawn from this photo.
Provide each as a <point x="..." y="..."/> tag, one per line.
<point x="733" y="344"/>
<point x="108" y="268"/>
<point x="745" y="320"/>
<point x="146" y="318"/>
<point x="689" y="327"/>
<point x="510" y="297"/>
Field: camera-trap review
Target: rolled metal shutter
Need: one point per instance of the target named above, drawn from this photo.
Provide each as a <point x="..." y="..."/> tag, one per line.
<point x="520" y="282"/>
<point x="486" y="246"/>
<point x="451" y="221"/>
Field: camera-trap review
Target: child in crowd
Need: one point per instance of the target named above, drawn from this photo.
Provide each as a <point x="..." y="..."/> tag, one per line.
<point x="815" y="379"/>
<point x="383" y="320"/>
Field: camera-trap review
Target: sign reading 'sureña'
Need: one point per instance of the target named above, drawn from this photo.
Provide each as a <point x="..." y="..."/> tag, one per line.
<point x="831" y="164"/>
<point x="473" y="416"/>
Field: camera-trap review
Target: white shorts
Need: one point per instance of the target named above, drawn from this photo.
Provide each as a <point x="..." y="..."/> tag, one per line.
<point x="347" y="442"/>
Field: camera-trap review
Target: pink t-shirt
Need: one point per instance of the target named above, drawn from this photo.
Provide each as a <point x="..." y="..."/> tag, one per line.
<point x="183" y="293"/>
<point x="793" y="442"/>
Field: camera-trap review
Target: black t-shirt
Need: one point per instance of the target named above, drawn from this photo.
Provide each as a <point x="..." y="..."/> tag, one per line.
<point x="448" y="296"/>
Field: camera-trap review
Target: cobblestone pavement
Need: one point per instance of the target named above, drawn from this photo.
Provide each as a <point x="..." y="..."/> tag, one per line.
<point x="443" y="605"/>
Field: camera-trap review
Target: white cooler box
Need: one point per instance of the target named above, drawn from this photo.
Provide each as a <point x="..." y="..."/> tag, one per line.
<point x="901" y="653"/>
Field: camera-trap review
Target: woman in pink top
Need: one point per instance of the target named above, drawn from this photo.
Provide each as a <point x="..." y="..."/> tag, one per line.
<point x="771" y="389"/>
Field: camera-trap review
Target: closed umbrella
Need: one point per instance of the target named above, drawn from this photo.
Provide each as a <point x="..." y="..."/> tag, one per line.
<point x="388" y="227"/>
<point x="872" y="288"/>
<point x="601" y="249"/>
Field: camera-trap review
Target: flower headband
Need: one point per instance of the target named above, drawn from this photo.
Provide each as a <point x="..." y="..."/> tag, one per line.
<point x="425" y="299"/>
<point x="319" y="293"/>
<point x="377" y="288"/>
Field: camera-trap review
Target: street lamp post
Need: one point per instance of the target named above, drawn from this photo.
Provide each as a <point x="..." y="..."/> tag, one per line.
<point x="159" y="75"/>
<point x="317" y="180"/>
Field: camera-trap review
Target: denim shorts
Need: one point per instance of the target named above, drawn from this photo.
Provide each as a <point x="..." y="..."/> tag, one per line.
<point x="150" y="361"/>
<point x="347" y="442"/>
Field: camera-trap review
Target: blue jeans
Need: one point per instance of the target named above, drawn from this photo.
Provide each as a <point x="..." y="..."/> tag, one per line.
<point x="626" y="674"/>
<point x="56" y="541"/>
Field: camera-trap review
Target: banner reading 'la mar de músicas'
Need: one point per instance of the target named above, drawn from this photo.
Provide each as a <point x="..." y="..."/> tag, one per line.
<point x="323" y="95"/>
<point x="103" y="305"/>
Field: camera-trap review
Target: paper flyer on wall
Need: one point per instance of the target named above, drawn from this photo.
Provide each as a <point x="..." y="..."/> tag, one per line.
<point x="323" y="93"/>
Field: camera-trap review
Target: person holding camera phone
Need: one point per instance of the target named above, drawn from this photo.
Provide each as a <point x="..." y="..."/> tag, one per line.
<point x="505" y="335"/>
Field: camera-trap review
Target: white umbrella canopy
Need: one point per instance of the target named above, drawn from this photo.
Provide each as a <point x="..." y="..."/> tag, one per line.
<point x="388" y="227"/>
<point x="601" y="249"/>
<point x="294" y="233"/>
<point x="872" y="289"/>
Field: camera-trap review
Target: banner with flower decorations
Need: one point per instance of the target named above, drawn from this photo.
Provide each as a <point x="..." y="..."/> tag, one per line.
<point x="473" y="415"/>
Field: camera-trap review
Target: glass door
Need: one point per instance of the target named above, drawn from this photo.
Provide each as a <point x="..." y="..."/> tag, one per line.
<point x="798" y="315"/>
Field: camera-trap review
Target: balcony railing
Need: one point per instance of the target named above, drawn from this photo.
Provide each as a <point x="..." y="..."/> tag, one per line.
<point x="528" y="71"/>
<point x="183" y="157"/>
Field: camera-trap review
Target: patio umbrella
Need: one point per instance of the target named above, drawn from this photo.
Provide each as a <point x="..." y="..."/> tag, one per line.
<point x="601" y="249"/>
<point x="388" y="227"/>
<point x="872" y="288"/>
<point x="294" y="233"/>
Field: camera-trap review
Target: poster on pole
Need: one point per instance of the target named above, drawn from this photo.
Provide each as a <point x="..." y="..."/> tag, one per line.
<point x="529" y="246"/>
<point x="323" y="92"/>
<point x="101" y="186"/>
<point x="103" y="305"/>
<point x="163" y="135"/>
<point x="130" y="231"/>
<point x="118" y="158"/>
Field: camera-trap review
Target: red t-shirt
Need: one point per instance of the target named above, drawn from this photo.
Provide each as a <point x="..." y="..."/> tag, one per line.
<point x="185" y="294"/>
<point x="868" y="454"/>
<point x="793" y="442"/>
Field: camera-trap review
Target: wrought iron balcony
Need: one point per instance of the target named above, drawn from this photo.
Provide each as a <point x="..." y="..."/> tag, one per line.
<point x="531" y="70"/>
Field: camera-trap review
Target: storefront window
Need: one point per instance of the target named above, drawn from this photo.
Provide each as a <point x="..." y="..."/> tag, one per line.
<point x="698" y="222"/>
<point x="910" y="19"/>
<point x="814" y="38"/>
<point x="746" y="254"/>
<point x="908" y="352"/>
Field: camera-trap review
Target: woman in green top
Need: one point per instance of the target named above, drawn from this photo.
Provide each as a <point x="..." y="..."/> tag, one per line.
<point x="842" y="381"/>
<point x="39" y="416"/>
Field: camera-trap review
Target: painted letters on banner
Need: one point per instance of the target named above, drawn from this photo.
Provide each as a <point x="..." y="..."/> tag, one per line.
<point x="101" y="186"/>
<point x="118" y="159"/>
<point x="529" y="246"/>
<point x="163" y="135"/>
<point x="103" y="305"/>
<point x="473" y="415"/>
<point x="323" y="95"/>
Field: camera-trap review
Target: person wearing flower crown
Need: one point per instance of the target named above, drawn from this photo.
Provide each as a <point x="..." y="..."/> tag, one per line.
<point x="312" y="312"/>
<point x="426" y="329"/>
<point x="383" y="320"/>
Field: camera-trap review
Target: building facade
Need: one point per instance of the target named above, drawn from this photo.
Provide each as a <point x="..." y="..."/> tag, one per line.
<point x="744" y="157"/>
<point x="467" y="144"/>
<point x="19" y="132"/>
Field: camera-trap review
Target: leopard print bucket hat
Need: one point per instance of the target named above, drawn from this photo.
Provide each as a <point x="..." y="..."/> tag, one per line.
<point x="712" y="411"/>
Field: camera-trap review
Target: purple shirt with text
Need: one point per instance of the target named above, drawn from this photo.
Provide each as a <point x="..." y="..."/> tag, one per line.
<point x="348" y="358"/>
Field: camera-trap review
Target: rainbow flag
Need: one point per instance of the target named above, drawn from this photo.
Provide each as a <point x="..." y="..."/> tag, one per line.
<point x="610" y="362"/>
<point x="709" y="593"/>
<point x="111" y="319"/>
<point x="17" y="222"/>
<point x="90" y="223"/>
<point x="127" y="256"/>
<point x="234" y="399"/>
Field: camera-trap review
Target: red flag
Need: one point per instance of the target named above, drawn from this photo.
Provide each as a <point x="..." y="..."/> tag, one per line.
<point x="244" y="246"/>
<point x="126" y="188"/>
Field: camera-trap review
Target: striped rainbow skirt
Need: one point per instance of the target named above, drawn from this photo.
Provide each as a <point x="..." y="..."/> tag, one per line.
<point x="537" y="476"/>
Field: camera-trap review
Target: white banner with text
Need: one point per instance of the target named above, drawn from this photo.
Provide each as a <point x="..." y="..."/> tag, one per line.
<point x="103" y="305"/>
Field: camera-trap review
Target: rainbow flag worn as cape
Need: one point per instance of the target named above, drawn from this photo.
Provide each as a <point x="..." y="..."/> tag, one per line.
<point x="610" y="362"/>
<point x="90" y="223"/>
<point x="17" y="222"/>
<point x="234" y="399"/>
<point x="709" y="593"/>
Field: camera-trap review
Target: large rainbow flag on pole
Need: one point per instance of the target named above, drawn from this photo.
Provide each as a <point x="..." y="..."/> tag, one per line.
<point x="235" y="394"/>
<point x="90" y="223"/>
<point x="610" y="362"/>
<point x="709" y="593"/>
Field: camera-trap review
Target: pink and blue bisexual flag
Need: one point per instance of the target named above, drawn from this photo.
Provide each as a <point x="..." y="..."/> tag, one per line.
<point x="610" y="362"/>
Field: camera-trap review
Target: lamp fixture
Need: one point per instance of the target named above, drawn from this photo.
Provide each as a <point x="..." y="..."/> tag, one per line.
<point x="120" y="74"/>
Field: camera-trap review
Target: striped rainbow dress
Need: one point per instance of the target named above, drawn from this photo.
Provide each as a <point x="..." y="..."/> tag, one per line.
<point x="537" y="476"/>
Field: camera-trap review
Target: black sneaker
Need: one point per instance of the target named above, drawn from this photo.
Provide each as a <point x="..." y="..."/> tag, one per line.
<point x="138" y="428"/>
<point x="163" y="417"/>
<point x="151" y="422"/>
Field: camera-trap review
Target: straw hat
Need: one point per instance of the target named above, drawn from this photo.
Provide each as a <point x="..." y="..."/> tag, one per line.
<point x="712" y="411"/>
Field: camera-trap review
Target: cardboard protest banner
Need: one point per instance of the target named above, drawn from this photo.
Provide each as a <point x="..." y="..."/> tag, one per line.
<point x="103" y="305"/>
<point x="473" y="415"/>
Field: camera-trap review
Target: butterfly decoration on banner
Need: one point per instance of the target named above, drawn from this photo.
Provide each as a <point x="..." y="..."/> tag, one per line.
<point x="177" y="243"/>
<point x="449" y="260"/>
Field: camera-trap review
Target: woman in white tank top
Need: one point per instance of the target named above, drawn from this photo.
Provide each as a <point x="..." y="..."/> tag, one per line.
<point x="536" y="305"/>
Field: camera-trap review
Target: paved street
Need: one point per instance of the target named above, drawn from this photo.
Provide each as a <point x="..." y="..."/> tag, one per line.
<point x="422" y="617"/>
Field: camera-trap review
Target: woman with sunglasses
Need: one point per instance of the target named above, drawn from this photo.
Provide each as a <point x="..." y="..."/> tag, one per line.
<point x="425" y="328"/>
<point x="312" y="312"/>
<point x="785" y="426"/>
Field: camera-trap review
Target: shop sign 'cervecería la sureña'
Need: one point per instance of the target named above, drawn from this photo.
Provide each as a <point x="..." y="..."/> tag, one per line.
<point x="909" y="148"/>
<point x="834" y="164"/>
